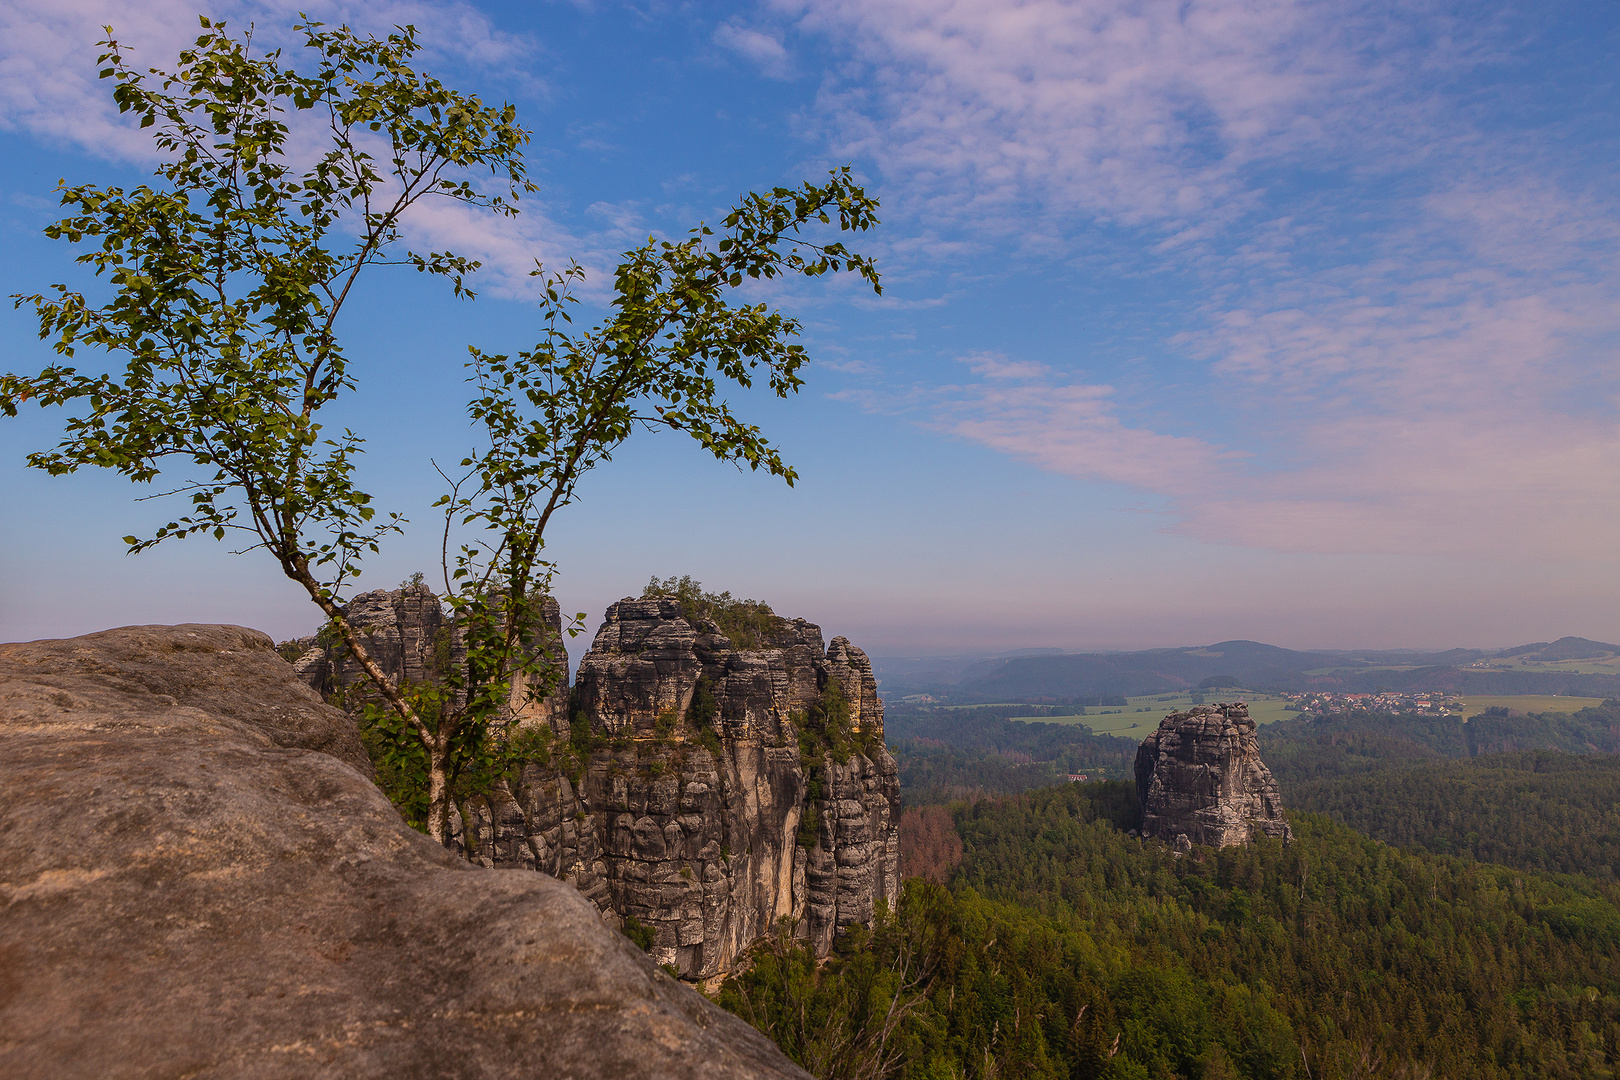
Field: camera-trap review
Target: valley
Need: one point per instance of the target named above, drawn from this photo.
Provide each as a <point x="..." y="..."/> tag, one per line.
<point x="1448" y="905"/>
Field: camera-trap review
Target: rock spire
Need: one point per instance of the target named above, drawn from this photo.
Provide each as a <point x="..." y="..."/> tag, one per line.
<point x="691" y="785"/>
<point x="1201" y="781"/>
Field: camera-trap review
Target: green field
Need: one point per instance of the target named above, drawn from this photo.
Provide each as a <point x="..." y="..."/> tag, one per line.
<point x="1610" y="666"/>
<point x="1142" y="714"/>
<point x="1478" y="703"/>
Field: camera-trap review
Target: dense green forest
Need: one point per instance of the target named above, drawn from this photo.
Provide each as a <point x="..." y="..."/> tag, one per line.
<point x="1312" y="748"/>
<point x="1063" y="946"/>
<point x="1433" y="782"/>
<point x="948" y="755"/>
<point x="935" y="773"/>
<point x="1535" y="809"/>
<point x="1448" y="909"/>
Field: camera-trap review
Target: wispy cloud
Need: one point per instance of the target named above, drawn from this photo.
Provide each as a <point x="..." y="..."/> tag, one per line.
<point x="765" y="51"/>
<point x="998" y="366"/>
<point x="48" y="72"/>
<point x="1132" y="111"/>
<point x="1075" y="429"/>
<point x="1406" y="318"/>
<point x="49" y="87"/>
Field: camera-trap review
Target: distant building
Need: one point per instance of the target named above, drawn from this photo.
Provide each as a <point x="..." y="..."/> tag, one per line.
<point x="1077" y="778"/>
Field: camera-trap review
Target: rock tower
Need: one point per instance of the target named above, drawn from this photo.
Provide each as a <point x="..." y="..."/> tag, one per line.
<point x="688" y="786"/>
<point x="1201" y="781"/>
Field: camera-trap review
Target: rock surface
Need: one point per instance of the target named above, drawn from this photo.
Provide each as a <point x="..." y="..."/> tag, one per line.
<point x="692" y="826"/>
<point x="197" y="878"/>
<point x="409" y="635"/>
<point x="1201" y="781"/>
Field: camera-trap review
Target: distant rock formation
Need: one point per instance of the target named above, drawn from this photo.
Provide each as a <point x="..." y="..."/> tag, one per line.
<point x="1201" y="781"/>
<point x="198" y="878"/>
<point x="703" y="806"/>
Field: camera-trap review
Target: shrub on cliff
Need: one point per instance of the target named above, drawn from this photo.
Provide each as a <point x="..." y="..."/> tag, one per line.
<point x="747" y="624"/>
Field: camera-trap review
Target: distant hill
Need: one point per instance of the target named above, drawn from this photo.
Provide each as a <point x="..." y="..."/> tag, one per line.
<point x="1255" y="665"/>
<point x="1565" y="648"/>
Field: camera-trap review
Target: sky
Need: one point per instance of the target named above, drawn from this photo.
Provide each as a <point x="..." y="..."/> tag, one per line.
<point x="1288" y="321"/>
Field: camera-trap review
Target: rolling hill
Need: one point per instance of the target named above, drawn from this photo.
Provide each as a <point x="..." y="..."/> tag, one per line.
<point x="1570" y="665"/>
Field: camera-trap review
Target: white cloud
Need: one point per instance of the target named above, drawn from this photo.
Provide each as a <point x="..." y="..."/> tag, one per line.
<point x="48" y="72"/>
<point x="49" y="88"/>
<point x="998" y="366"/>
<point x="761" y="49"/>
<point x="1074" y="429"/>
<point x="1136" y="112"/>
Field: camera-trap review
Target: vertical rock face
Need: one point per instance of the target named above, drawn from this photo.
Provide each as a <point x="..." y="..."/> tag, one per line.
<point x="1200" y="777"/>
<point x="692" y="793"/>
<point x="411" y="637"/>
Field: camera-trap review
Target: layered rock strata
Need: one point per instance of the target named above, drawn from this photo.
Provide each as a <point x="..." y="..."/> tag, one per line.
<point x="413" y="639"/>
<point x="198" y="878"/>
<point x="1201" y="781"/>
<point x="689" y="789"/>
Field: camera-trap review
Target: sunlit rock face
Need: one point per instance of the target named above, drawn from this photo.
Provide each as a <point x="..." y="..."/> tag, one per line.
<point x="412" y="639"/>
<point x="198" y="878"/>
<point x="1200" y="776"/>
<point x="678" y="791"/>
<point x="709" y="829"/>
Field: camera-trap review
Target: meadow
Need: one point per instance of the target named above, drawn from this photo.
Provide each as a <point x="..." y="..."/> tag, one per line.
<point x="1475" y="704"/>
<point x="1141" y="715"/>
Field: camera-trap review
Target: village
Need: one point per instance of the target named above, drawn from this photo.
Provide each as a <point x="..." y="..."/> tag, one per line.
<point x="1433" y="702"/>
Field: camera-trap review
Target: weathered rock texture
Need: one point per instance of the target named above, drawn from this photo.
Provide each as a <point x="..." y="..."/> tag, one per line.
<point x="692" y="825"/>
<point x="1200" y="776"/>
<point x="412" y="639"/>
<point x="198" y="879"/>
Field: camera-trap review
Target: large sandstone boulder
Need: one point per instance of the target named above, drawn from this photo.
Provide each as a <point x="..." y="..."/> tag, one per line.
<point x="198" y="879"/>
<point x="1201" y="781"/>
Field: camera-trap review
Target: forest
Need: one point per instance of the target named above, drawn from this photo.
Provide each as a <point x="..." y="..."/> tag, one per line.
<point x="1063" y="946"/>
<point x="1370" y="741"/>
<point x="967" y="753"/>
<point x="1534" y="809"/>
<point x="1447" y="909"/>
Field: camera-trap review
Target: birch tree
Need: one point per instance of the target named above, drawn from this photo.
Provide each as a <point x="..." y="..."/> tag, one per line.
<point x="228" y="279"/>
<point x="676" y="339"/>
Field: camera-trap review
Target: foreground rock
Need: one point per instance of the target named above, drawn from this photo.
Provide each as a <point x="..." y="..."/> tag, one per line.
<point x="1201" y="781"/>
<point x="198" y="879"/>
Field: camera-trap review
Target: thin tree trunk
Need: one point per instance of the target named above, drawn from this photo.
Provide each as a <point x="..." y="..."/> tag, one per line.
<point x="436" y="743"/>
<point x="438" y="790"/>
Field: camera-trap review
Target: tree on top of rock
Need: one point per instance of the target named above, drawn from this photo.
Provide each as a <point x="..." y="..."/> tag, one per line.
<point x="746" y="623"/>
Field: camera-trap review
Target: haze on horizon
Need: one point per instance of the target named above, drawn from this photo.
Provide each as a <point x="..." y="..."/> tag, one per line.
<point x="1290" y="322"/>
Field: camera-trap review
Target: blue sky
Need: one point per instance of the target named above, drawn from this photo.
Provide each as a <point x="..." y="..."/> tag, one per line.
<point x="1286" y="321"/>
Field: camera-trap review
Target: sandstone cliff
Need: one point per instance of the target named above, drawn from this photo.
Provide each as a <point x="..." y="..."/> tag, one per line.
<point x="1200" y="777"/>
<point x="409" y="635"/>
<point x="197" y="878"/>
<point x="697" y="787"/>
